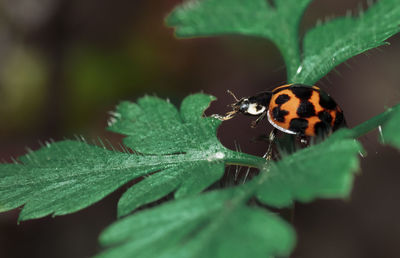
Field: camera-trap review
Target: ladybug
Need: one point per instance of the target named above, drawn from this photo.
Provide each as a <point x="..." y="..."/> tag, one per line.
<point x="294" y="109"/>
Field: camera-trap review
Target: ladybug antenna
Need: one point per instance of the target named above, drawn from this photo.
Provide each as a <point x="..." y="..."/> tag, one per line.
<point x="232" y="113"/>
<point x="233" y="95"/>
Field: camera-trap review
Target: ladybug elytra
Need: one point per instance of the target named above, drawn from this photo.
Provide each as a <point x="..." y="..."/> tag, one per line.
<point x="294" y="109"/>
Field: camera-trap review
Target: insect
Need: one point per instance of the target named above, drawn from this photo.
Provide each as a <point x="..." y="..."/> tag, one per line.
<point x="294" y="109"/>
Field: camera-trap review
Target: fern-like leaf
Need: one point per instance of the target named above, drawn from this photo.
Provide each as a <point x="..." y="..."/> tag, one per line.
<point x="178" y="152"/>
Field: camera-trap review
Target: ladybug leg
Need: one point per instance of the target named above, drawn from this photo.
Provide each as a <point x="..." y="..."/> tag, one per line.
<point x="268" y="154"/>
<point x="255" y="122"/>
<point x="304" y="140"/>
<point x="227" y="116"/>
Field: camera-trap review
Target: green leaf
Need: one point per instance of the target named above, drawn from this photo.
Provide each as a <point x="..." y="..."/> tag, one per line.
<point x="324" y="170"/>
<point x="64" y="177"/>
<point x="187" y="179"/>
<point x="332" y="43"/>
<point x="179" y="151"/>
<point x="324" y="46"/>
<point x="155" y="127"/>
<point x="278" y="23"/>
<point x="215" y="224"/>
<point x="390" y="129"/>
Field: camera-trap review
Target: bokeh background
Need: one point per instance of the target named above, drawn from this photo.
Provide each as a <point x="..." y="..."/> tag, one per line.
<point x="65" y="63"/>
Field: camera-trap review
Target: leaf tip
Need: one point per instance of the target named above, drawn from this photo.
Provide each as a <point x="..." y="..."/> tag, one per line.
<point x="180" y="18"/>
<point x="121" y="213"/>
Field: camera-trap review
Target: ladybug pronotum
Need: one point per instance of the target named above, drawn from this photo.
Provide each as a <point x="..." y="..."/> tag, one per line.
<point x="294" y="109"/>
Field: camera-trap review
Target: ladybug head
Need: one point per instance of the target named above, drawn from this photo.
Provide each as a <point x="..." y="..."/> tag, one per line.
<point x="254" y="106"/>
<point x="249" y="106"/>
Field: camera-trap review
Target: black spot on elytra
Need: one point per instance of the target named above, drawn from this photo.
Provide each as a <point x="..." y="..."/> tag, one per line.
<point x="281" y="99"/>
<point x="302" y="92"/>
<point x="326" y="101"/>
<point x="306" y="109"/>
<point x="322" y="129"/>
<point x="298" y="125"/>
<point x="339" y="121"/>
<point x="325" y="117"/>
<point x="278" y="114"/>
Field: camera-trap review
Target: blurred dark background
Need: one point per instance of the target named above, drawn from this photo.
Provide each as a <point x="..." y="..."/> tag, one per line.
<point x="65" y="63"/>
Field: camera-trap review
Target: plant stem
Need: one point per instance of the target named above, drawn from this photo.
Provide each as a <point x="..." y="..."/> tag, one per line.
<point x="372" y="123"/>
<point x="244" y="159"/>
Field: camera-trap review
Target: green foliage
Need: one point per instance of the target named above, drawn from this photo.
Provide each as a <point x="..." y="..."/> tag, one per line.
<point x="387" y="123"/>
<point x="323" y="170"/>
<point x="216" y="224"/>
<point x="278" y="23"/>
<point x="53" y="179"/>
<point x="194" y="158"/>
<point x="332" y="43"/>
<point x="219" y="224"/>
<point x="390" y="130"/>
<point x="180" y="146"/>
<point x="325" y="46"/>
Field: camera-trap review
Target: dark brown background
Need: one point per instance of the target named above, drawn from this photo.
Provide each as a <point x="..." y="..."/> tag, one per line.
<point x="65" y="63"/>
